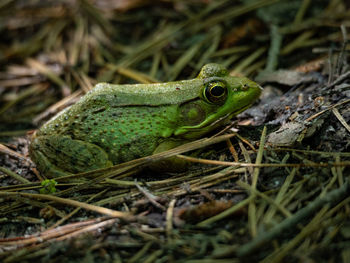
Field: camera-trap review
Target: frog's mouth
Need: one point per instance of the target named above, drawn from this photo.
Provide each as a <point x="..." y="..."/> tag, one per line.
<point x="228" y="116"/>
<point x="201" y="128"/>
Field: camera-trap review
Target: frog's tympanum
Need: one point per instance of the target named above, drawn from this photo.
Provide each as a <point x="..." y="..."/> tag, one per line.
<point x="117" y="123"/>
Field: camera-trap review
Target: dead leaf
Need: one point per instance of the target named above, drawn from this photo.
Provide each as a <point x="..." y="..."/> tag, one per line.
<point x="286" y="135"/>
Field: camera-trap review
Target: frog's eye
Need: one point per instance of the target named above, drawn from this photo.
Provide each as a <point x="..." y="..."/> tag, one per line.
<point x="245" y="87"/>
<point x="215" y="92"/>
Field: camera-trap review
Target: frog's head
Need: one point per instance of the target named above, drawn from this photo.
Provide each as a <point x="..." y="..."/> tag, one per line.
<point x="221" y="97"/>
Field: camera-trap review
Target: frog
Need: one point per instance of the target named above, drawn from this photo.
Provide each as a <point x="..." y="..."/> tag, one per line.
<point x="116" y="123"/>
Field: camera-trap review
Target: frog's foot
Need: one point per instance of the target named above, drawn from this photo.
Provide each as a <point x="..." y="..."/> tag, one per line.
<point x="172" y="164"/>
<point x="60" y="155"/>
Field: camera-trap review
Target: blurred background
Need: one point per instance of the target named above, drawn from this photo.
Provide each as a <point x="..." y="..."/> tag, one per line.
<point x="50" y="50"/>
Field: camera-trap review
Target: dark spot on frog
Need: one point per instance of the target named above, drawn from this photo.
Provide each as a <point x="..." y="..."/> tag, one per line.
<point x="84" y="118"/>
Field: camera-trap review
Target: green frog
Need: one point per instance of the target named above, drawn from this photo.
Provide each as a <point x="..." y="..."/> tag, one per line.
<point x="112" y="123"/>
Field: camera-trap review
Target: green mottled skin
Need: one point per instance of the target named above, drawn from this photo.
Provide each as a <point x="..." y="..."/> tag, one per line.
<point x="117" y="123"/>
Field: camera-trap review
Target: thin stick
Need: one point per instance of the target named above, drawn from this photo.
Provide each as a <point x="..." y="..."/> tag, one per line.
<point x="98" y="209"/>
<point x="340" y="118"/>
<point x="214" y="162"/>
<point x="252" y="207"/>
<point x="169" y="219"/>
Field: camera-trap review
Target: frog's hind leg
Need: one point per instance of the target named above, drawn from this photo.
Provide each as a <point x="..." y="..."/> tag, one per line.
<point x="61" y="155"/>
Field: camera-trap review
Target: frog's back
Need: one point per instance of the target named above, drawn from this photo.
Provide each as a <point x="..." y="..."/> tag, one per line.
<point x="144" y="94"/>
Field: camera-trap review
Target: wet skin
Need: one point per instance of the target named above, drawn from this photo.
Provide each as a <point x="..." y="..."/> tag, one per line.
<point x="117" y="123"/>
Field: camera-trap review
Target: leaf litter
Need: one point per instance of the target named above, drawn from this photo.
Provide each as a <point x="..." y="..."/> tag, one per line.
<point x="273" y="194"/>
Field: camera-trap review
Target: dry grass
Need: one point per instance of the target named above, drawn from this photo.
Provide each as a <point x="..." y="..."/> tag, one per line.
<point x="271" y="204"/>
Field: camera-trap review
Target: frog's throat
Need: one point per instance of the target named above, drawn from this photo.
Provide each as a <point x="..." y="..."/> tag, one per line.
<point x="208" y="122"/>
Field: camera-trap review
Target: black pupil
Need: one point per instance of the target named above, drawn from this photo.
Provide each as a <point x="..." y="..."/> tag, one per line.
<point x="217" y="91"/>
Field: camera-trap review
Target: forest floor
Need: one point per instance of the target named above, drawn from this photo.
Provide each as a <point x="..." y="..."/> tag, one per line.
<point x="271" y="187"/>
